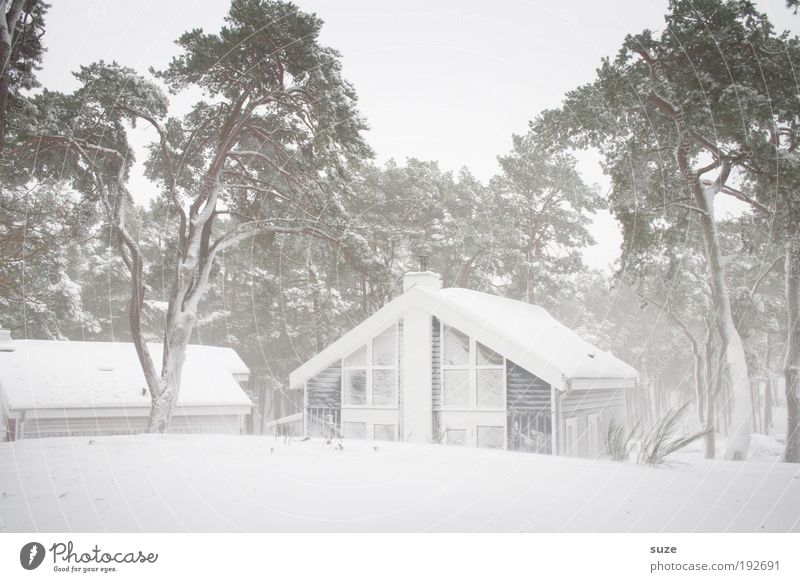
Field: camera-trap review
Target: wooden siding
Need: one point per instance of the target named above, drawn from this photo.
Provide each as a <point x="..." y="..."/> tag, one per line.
<point x="400" y="379"/>
<point x="436" y="362"/>
<point x="325" y="389"/>
<point x="579" y="404"/>
<point x="323" y="422"/>
<point x="530" y="431"/>
<point x="96" y="426"/>
<point x="524" y="390"/>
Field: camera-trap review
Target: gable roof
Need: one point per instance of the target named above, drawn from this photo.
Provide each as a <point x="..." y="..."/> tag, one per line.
<point x="41" y="374"/>
<point x="524" y="333"/>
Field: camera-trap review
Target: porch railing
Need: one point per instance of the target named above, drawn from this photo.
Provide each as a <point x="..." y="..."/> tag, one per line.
<point x="530" y="431"/>
<point x="324" y="422"/>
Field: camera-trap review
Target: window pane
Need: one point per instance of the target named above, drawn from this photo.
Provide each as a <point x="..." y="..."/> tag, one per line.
<point x="355" y="387"/>
<point x="456" y="347"/>
<point x="384" y="432"/>
<point x="456" y="387"/>
<point x="355" y="430"/>
<point x="490" y="388"/>
<point x="491" y="437"/>
<point x="487" y="357"/>
<point x="358" y="359"/>
<point x="456" y="436"/>
<point x="384" y="348"/>
<point x="384" y="387"/>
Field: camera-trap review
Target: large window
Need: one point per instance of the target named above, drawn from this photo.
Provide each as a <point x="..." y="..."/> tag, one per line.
<point x="354" y="379"/>
<point x="473" y="376"/>
<point x="369" y="374"/>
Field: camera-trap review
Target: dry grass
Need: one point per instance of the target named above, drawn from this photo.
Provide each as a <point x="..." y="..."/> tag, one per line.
<point x="662" y="440"/>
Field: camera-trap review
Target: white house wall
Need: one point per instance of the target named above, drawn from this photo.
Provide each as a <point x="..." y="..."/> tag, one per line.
<point x="535" y="400"/>
<point x="436" y="363"/>
<point x="369" y="419"/>
<point x="498" y="343"/>
<point x="525" y="390"/>
<point x="576" y="410"/>
<point x="471" y="322"/>
<point x="3" y="417"/>
<point x="94" y="426"/>
<point x="417" y="376"/>
<point x="325" y="389"/>
<point x="356" y="337"/>
<point x="470" y="421"/>
<point x="601" y="383"/>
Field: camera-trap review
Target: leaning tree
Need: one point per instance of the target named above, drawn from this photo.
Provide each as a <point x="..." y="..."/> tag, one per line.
<point x="267" y="148"/>
<point x="688" y="107"/>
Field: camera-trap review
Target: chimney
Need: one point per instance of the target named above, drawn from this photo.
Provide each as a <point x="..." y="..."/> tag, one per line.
<point x="6" y="343"/>
<point x="424" y="279"/>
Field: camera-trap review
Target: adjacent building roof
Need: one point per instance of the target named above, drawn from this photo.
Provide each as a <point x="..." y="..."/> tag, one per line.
<point x="524" y="333"/>
<point x="40" y="374"/>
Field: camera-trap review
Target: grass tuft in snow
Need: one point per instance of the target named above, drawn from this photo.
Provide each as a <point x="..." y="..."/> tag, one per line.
<point x="661" y="441"/>
<point x="618" y="441"/>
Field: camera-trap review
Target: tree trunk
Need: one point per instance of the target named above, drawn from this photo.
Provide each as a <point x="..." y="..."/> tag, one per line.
<point x="768" y="387"/>
<point x="364" y="298"/>
<point x="711" y="437"/>
<point x="755" y="406"/>
<point x="5" y="56"/>
<point x="735" y="359"/>
<point x="767" y="419"/>
<point x="135" y="265"/>
<point x="191" y="278"/>
<point x="163" y="403"/>
<point x="181" y="317"/>
<point x="531" y="256"/>
<point x="312" y="280"/>
<point x="698" y="386"/>
<point x="791" y="368"/>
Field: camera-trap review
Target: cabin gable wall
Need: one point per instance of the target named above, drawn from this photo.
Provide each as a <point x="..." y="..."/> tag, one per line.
<point x="325" y="389"/>
<point x="584" y="419"/>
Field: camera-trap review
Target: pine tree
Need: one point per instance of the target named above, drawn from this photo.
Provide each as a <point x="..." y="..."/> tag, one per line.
<point x="269" y="153"/>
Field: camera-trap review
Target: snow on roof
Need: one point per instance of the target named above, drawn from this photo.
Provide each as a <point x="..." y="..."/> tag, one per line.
<point x="534" y="329"/>
<point x="64" y="374"/>
<point x="524" y="333"/>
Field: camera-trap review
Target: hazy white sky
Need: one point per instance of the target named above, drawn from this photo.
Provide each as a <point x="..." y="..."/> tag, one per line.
<point x="445" y="80"/>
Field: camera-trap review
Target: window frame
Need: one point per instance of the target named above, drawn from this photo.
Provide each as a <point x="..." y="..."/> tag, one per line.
<point x="472" y="367"/>
<point x="369" y="368"/>
<point x="571" y="436"/>
<point x="593" y="435"/>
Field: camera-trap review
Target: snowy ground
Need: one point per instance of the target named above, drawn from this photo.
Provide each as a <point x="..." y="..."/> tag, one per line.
<point x="216" y="483"/>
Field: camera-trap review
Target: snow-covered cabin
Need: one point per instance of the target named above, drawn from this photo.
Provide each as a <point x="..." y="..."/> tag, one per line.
<point x="466" y="368"/>
<point x="63" y="388"/>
